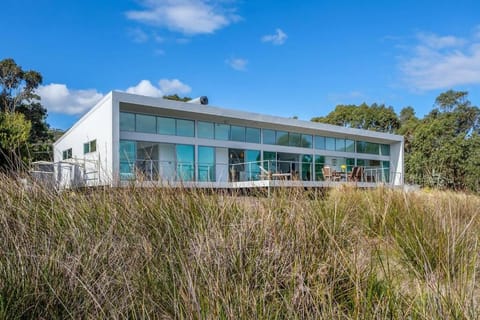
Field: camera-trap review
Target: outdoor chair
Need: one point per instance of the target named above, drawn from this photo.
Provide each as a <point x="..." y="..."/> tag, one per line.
<point x="353" y="174"/>
<point x="328" y="174"/>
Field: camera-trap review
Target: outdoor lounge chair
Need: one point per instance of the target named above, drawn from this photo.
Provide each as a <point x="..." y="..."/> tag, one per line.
<point x="353" y="174"/>
<point x="328" y="174"/>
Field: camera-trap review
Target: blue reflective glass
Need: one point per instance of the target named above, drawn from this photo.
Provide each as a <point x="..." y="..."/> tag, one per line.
<point x="282" y="138"/>
<point x="237" y="133"/>
<point x="295" y="139"/>
<point x="185" y="162"/>
<point x="268" y="136"/>
<point x="253" y="135"/>
<point x="349" y="146"/>
<point x="252" y="159"/>
<point x="128" y="150"/>
<point x="319" y="142"/>
<point x="145" y="123"/>
<point x="166" y="126"/>
<point x="222" y="131"/>
<point x="206" y="163"/>
<point x="330" y="144"/>
<point x="127" y="121"/>
<point x="307" y="141"/>
<point x="339" y="144"/>
<point x="205" y="130"/>
<point x="385" y="149"/>
<point x="185" y="128"/>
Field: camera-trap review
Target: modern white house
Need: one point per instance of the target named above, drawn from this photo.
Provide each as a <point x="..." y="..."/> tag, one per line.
<point x="129" y="138"/>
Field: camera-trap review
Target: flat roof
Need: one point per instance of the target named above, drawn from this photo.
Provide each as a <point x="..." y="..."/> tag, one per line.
<point x="206" y="112"/>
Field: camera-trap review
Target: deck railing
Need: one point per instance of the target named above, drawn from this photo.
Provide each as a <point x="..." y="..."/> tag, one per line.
<point x="155" y="170"/>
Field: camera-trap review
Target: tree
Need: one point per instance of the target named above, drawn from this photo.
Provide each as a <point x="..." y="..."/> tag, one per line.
<point x="14" y="133"/>
<point x="374" y="117"/>
<point x="176" y="97"/>
<point x="18" y="95"/>
<point x="443" y="145"/>
<point x="18" y="86"/>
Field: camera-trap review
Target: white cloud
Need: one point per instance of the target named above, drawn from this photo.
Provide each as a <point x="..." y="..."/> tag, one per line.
<point x="185" y="16"/>
<point x="145" y="88"/>
<point x="58" y="98"/>
<point x="278" y="38"/>
<point x="439" y="42"/>
<point x="237" y="64"/>
<point x="173" y="86"/>
<point x="440" y="62"/>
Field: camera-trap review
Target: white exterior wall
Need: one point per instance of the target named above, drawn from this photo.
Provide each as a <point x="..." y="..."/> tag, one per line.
<point x="96" y="124"/>
<point x="396" y="163"/>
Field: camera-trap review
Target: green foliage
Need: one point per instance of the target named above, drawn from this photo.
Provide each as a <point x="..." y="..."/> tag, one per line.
<point x="375" y="117"/>
<point x="176" y="97"/>
<point x="14" y="131"/>
<point x="18" y="96"/>
<point x="442" y="147"/>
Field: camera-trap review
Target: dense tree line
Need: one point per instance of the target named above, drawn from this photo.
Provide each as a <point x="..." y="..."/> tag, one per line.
<point x="441" y="150"/>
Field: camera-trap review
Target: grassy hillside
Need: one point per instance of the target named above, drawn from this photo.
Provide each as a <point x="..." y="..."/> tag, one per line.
<point x="141" y="253"/>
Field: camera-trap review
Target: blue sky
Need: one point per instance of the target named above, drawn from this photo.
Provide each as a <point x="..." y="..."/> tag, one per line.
<point x="286" y="58"/>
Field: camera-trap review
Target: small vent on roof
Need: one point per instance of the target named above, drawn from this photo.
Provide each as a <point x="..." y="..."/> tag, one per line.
<point x="200" y="100"/>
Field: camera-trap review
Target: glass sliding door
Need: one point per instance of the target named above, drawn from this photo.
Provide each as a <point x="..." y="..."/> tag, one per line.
<point x="270" y="161"/>
<point x="252" y="158"/>
<point x="185" y="162"/>
<point x="206" y="163"/>
<point x="128" y="156"/>
<point x="319" y="164"/>
<point x="307" y="167"/>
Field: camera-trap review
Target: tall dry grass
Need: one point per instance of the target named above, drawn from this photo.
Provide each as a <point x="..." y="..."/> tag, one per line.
<point x="169" y="253"/>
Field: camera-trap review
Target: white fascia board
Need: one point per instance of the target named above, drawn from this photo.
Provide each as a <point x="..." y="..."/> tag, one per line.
<point x="84" y="117"/>
<point x="251" y="117"/>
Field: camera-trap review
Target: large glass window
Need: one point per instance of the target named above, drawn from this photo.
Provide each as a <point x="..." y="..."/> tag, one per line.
<point x="350" y="162"/>
<point x="127" y="121"/>
<point x="166" y="126"/>
<point x="385" y="149"/>
<point x="252" y="159"/>
<point x="368" y="147"/>
<point x="295" y="139"/>
<point x="306" y="141"/>
<point x="205" y="130"/>
<point x="185" y="128"/>
<point x="319" y="142"/>
<point x="222" y="131"/>
<point x="373" y="148"/>
<point x="128" y="150"/>
<point x="206" y="163"/>
<point x="349" y="145"/>
<point x="237" y="133"/>
<point x="270" y="161"/>
<point x="330" y="144"/>
<point x="307" y="167"/>
<point x="145" y="123"/>
<point x="268" y="136"/>
<point x="185" y="162"/>
<point x="282" y="138"/>
<point x="319" y="163"/>
<point x="339" y="144"/>
<point x="252" y="135"/>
